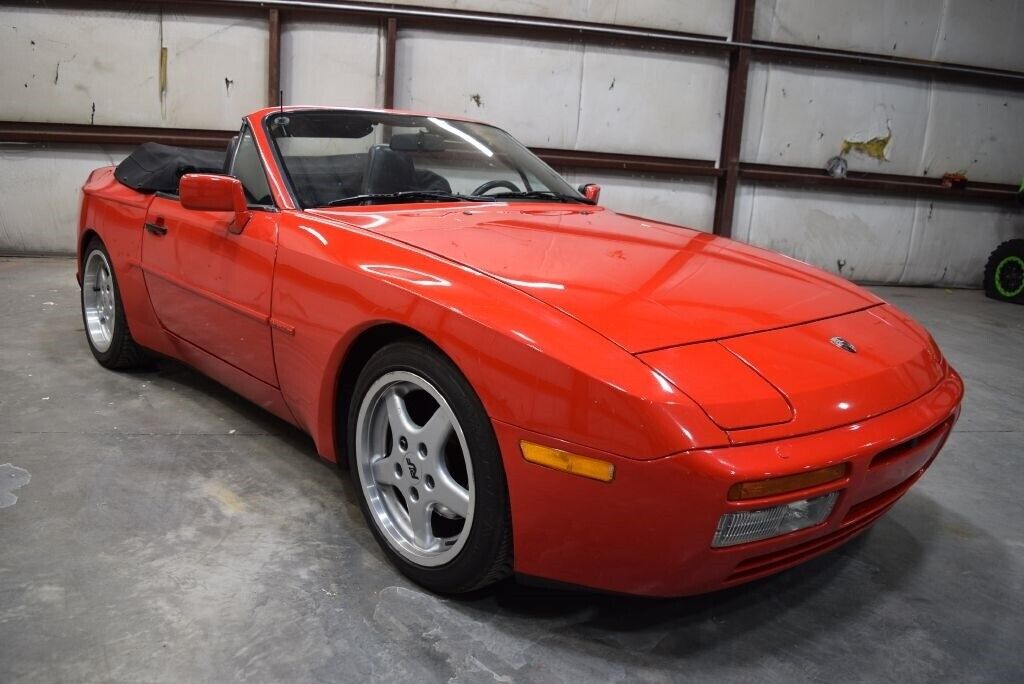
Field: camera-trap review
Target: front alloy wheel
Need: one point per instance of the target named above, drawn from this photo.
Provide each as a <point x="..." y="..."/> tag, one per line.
<point x="432" y="485"/>
<point x="415" y="469"/>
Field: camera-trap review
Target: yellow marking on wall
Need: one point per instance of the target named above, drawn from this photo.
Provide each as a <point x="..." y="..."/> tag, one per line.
<point x="875" y="148"/>
<point x="163" y="69"/>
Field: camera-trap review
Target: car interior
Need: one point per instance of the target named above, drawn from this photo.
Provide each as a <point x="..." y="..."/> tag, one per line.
<point x="329" y="159"/>
<point x="320" y="179"/>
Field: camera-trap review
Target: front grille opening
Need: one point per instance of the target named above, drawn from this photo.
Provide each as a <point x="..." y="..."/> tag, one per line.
<point x="904" y="448"/>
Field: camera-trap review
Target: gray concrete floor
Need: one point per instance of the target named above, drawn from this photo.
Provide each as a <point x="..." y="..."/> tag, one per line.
<point x="173" y="532"/>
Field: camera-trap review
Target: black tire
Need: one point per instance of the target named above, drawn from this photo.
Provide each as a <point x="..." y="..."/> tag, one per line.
<point x="1004" y="272"/>
<point x="486" y="556"/>
<point x="123" y="352"/>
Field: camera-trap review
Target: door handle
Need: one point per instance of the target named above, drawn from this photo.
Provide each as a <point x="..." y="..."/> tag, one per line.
<point x="156" y="229"/>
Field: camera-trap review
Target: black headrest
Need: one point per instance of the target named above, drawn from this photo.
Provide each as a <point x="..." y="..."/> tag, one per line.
<point x="388" y="171"/>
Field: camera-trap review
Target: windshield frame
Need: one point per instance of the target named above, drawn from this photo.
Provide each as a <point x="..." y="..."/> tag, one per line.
<point x="574" y="195"/>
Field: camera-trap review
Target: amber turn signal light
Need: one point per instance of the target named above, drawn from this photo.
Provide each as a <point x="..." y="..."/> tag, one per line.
<point x="788" y="483"/>
<point x="566" y="462"/>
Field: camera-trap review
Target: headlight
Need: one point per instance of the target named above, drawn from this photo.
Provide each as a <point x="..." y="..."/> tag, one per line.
<point x="747" y="526"/>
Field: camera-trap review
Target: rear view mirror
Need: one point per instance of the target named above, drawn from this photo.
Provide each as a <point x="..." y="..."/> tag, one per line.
<point x="592" y="191"/>
<point x="210" y="192"/>
<point x="417" y="142"/>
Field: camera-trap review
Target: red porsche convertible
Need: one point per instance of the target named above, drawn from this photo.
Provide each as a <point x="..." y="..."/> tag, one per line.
<point x="520" y="379"/>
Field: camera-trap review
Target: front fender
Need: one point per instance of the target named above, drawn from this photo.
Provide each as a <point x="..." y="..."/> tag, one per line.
<point x="531" y="365"/>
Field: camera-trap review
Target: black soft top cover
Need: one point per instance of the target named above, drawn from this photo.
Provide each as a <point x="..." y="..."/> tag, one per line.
<point x="157" y="168"/>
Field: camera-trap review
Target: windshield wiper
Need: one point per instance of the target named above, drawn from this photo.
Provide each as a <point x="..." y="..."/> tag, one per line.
<point x="541" y="194"/>
<point x="407" y="195"/>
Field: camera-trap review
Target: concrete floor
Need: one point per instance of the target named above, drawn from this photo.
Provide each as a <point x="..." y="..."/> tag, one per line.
<point x="167" y="530"/>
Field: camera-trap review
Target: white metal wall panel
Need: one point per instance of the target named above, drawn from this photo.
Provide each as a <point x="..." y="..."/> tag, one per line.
<point x="332" y="64"/>
<point x="712" y="17"/>
<point x="656" y="103"/>
<point x="801" y="116"/>
<point x="529" y="88"/>
<point x="951" y="241"/>
<point x="40" y="194"/>
<point x="979" y="32"/>
<point x="217" y="64"/>
<point x="686" y="202"/>
<point x="975" y="131"/>
<point x="895" y="27"/>
<point x="860" y="237"/>
<point x="875" y="239"/>
<point x="554" y="94"/>
<point x="88" y="67"/>
<point x="103" y="67"/>
<point x="983" y="32"/>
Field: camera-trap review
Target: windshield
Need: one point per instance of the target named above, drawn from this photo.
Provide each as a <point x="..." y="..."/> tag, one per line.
<point x="337" y="158"/>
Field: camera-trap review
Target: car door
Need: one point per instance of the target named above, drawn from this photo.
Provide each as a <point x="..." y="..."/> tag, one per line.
<point x="209" y="286"/>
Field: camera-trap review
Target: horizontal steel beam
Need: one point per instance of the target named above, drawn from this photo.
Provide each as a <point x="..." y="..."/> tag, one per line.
<point x="880" y="183"/>
<point x="20" y="132"/>
<point x="578" y="30"/>
<point x="55" y="133"/>
<point x="877" y="183"/>
<point x="885" y="64"/>
<point x="627" y="162"/>
<point x="591" y="31"/>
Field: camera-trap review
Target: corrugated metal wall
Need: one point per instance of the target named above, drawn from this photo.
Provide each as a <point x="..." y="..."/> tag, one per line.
<point x="802" y="116"/>
<point x="104" y="67"/>
<point x="61" y="66"/>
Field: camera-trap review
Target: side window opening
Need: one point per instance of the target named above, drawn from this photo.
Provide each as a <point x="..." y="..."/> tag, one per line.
<point x="248" y="168"/>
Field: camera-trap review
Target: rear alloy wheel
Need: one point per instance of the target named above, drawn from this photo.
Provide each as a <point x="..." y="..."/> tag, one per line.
<point x="106" y="328"/>
<point x="1004" y="272"/>
<point x="430" y="477"/>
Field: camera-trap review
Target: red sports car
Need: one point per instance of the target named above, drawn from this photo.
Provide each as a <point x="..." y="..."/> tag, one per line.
<point x="519" y="378"/>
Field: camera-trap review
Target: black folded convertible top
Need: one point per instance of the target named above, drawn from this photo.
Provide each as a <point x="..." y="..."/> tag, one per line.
<point x="157" y="168"/>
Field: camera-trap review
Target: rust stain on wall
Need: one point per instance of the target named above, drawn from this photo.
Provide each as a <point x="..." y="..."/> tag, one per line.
<point x="163" y="72"/>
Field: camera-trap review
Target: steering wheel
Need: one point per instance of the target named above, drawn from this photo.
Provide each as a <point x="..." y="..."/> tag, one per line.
<point x="490" y="185"/>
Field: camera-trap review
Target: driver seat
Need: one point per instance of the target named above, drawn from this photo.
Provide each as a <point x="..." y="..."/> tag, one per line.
<point x="388" y="171"/>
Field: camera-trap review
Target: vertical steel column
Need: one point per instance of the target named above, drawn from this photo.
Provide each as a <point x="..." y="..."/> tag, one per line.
<point x="390" y="40"/>
<point x="732" y="132"/>
<point x="274" y="72"/>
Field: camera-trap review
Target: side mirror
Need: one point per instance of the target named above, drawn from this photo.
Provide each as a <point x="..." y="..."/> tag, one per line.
<point x="592" y="191"/>
<point x="209" y="192"/>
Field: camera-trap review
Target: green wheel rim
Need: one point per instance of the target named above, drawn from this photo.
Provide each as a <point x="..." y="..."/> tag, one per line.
<point x="1010" y="276"/>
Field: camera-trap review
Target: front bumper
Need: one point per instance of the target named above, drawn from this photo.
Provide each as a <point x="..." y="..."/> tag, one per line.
<point x="649" y="531"/>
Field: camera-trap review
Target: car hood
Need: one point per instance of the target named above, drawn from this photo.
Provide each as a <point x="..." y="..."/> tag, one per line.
<point x="644" y="285"/>
<point x="806" y="378"/>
